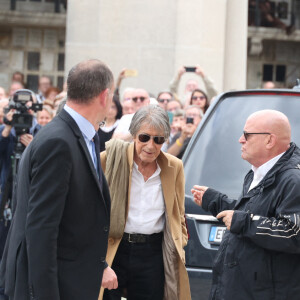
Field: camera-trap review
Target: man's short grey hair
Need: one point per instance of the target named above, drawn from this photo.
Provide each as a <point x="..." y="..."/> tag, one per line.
<point x="195" y="106"/>
<point x="178" y="113"/>
<point x="152" y="115"/>
<point x="87" y="80"/>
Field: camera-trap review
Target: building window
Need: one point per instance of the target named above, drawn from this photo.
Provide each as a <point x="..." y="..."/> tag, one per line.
<point x="268" y="73"/>
<point x="61" y="62"/>
<point x="33" y="62"/>
<point x="60" y="82"/>
<point x="32" y="82"/>
<point x="280" y="73"/>
<point x="274" y="73"/>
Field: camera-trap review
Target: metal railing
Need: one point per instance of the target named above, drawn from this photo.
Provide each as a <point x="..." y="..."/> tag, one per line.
<point x="57" y="5"/>
<point x="276" y="13"/>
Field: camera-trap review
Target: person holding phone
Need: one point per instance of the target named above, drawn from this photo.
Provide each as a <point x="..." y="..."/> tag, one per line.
<point x="179" y="143"/>
<point x="192" y="83"/>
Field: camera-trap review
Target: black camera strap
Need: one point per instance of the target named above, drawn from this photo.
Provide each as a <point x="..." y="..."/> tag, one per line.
<point x="5" y="206"/>
<point x="6" y="122"/>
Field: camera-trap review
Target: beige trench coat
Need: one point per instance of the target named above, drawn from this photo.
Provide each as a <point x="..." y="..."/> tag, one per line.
<point x="175" y="234"/>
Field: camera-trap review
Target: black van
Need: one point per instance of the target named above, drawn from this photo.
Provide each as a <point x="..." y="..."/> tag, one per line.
<point x="213" y="159"/>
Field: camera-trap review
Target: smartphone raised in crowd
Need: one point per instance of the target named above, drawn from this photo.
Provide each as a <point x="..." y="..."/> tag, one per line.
<point x="190" y="69"/>
<point x="130" y="73"/>
<point x="189" y="120"/>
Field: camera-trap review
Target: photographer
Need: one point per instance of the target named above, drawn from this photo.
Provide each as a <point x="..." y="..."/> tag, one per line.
<point x="180" y="141"/>
<point x="14" y="138"/>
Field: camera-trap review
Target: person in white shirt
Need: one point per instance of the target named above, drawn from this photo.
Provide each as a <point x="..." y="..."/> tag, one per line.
<point x="140" y="98"/>
<point x="147" y="228"/>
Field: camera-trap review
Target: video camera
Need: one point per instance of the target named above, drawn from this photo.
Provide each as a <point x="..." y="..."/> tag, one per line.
<point x="22" y="119"/>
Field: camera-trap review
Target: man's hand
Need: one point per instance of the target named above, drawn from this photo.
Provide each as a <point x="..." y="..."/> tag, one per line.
<point x="198" y="192"/>
<point x="188" y="130"/>
<point x="120" y="78"/>
<point x="26" y="139"/>
<point x="7" y="128"/>
<point x="109" y="280"/>
<point x="227" y="217"/>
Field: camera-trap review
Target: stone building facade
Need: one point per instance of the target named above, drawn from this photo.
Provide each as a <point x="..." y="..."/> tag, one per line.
<point x="43" y="37"/>
<point x="32" y="40"/>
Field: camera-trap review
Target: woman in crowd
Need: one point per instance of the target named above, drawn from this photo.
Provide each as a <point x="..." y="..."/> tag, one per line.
<point x="111" y="122"/>
<point x="51" y="93"/>
<point x="199" y="98"/>
<point x="43" y="117"/>
<point x="147" y="228"/>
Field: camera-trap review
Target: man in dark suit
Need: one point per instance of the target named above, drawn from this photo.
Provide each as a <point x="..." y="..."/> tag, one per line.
<point x="57" y="243"/>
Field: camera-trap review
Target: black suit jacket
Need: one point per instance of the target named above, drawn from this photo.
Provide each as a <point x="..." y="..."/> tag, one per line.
<point x="57" y="242"/>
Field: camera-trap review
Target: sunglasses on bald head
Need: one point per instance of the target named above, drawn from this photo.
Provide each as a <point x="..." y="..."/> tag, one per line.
<point x="135" y="99"/>
<point x="144" y="138"/>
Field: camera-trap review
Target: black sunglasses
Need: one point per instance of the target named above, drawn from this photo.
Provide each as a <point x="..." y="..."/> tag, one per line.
<point x="246" y="134"/>
<point x="135" y="99"/>
<point x="198" y="97"/>
<point x="161" y="100"/>
<point x="144" y="138"/>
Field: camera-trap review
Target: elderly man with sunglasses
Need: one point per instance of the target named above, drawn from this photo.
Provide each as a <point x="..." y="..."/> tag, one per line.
<point x="140" y="98"/>
<point x="259" y="255"/>
<point x="147" y="229"/>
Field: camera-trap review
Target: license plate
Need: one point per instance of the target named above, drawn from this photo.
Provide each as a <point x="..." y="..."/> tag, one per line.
<point x="216" y="234"/>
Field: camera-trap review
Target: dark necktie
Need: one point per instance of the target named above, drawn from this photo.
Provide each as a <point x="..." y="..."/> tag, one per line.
<point x="97" y="150"/>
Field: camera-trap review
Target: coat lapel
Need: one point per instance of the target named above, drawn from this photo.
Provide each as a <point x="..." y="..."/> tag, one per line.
<point x="167" y="177"/>
<point x="130" y="153"/>
<point x="89" y="159"/>
<point x="70" y="121"/>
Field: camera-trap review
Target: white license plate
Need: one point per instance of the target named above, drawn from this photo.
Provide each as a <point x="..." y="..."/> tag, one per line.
<point x="216" y="234"/>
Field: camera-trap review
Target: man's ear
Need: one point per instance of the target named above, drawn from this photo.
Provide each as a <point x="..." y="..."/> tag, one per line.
<point x="103" y="97"/>
<point x="271" y="141"/>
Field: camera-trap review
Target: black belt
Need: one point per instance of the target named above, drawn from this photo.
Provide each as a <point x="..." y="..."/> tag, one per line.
<point x="142" y="238"/>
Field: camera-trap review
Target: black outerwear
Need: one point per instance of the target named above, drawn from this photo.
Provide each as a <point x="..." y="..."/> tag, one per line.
<point x="58" y="238"/>
<point x="259" y="258"/>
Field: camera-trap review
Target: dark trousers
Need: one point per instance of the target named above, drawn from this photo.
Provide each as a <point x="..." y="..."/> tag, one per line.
<point x="140" y="271"/>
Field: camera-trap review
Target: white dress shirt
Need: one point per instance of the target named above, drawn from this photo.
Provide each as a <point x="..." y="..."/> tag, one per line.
<point x="146" y="208"/>
<point x="260" y="172"/>
<point x="124" y="124"/>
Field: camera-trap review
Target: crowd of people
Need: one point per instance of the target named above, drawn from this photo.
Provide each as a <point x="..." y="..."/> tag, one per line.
<point x="185" y="110"/>
<point x="62" y="163"/>
<point x="139" y="179"/>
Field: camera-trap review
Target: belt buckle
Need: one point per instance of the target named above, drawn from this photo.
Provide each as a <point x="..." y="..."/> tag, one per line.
<point x="129" y="240"/>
